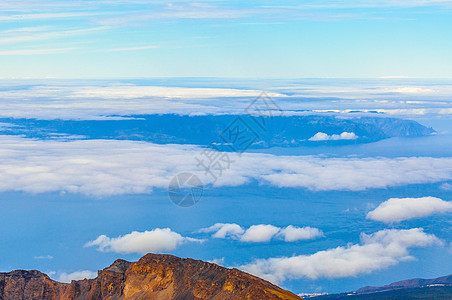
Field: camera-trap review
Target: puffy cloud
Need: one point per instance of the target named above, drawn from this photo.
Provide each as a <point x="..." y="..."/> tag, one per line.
<point x="376" y="251"/>
<point x="400" y="209"/>
<point x="292" y="233"/>
<point x="262" y="232"/>
<point x="320" y="136"/>
<point x="112" y="167"/>
<point x="156" y="240"/>
<point x="78" y="275"/>
<point x="224" y="230"/>
<point x="259" y="233"/>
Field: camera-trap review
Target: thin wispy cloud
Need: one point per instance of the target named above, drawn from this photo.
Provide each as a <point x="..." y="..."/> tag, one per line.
<point x="35" y="51"/>
<point x="132" y="48"/>
<point x="329" y="4"/>
<point x="43" y="257"/>
<point x="47" y="16"/>
<point x="29" y="36"/>
<point x="31" y="29"/>
<point x="210" y="11"/>
<point x="130" y="22"/>
<point x="446" y="187"/>
<point x="137" y="12"/>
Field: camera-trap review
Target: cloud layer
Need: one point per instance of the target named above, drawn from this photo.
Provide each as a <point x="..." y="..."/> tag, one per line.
<point x="400" y="209"/>
<point x="262" y="232"/>
<point x="91" y="102"/>
<point x="80" y="100"/>
<point x="111" y="167"/>
<point x="156" y="240"/>
<point x="376" y="251"/>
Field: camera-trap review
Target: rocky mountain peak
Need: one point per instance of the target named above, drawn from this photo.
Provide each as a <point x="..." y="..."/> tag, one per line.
<point x="154" y="276"/>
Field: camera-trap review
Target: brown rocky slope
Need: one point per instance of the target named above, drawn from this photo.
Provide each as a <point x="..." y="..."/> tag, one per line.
<point x="154" y="276"/>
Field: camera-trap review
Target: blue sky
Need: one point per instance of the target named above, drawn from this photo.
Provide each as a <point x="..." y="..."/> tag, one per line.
<point x="78" y="191"/>
<point x="256" y="39"/>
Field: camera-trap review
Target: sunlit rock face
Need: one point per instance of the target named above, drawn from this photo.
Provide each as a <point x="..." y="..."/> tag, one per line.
<point x="154" y="276"/>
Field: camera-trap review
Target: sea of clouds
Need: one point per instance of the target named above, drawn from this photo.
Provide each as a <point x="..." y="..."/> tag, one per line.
<point x="114" y="167"/>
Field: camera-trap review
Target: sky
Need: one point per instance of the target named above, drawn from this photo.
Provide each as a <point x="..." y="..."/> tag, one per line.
<point x="252" y="39"/>
<point x="84" y="173"/>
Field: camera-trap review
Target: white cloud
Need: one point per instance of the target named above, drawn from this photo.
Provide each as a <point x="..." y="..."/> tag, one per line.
<point x="357" y="174"/>
<point x="180" y="10"/>
<point x="224" y="230"/>
<point x="259" y="233"/>
<point x="262" y="232"/>
<point x="30" y="36"/>
<point x="131" y="48"/>
<point x="409" y="90"/>
<point x="75" y="102"/>
<point x="131" y="91"/>
<point x="142" y="12"/>
<point x="320" y="136"/>
<point x="156" y="240"/>
<point x="78" y="275"/>
<point x="376" y="251"/>
<point x="43" y="257"/>
<point x="381" y="3"/>
<point x="394" y="77"/>
<point x="292" y="233"/>
<point x="35" y="51"/>
<point x="112" y="167"/>
<point x="400" y="209"/>
<point x="218" y="261"/>
<point x="88" y="101"/>
<point x="6" y="126"/>
<point x="446" y="187"/>
<point x="46" y="16"/>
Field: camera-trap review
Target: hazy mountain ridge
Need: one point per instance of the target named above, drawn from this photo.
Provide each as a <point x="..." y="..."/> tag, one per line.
<point x="281" y="131"/>
<point x="154" y="276"/>
<point x="438" y="288"/>
<point x="410" y="283"/>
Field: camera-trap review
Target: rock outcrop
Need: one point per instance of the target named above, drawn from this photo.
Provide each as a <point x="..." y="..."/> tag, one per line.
<point x="154" y="276"/>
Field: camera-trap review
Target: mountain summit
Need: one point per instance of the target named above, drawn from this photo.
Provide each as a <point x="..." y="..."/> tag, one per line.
<point x="154" y="276"/>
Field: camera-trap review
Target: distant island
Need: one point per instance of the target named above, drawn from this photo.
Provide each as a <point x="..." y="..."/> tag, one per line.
<point x="438" y="288"/>
<point x="264" y="131"/>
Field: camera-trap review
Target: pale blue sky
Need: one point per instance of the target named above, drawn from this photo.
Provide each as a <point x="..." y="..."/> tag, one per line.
<point x="257" y="39"/>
